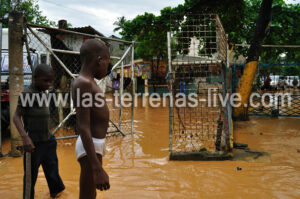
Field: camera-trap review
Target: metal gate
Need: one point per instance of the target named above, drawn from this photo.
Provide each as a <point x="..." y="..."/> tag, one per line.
<point x="60" y="49"/>
<point x="197" y="49"/>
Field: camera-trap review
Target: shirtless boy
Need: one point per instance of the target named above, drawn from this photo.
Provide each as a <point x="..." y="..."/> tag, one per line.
<point x="92" y="120"/>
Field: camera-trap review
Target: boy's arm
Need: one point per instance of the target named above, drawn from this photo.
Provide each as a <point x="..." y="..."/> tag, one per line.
<point x="84" y="129"/>
<point x="27" y="142"/>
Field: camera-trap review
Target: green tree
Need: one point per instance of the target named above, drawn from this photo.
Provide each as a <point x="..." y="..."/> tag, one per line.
<point x="239" y="21"/>
<point x="284" y="30"/>
<point x="30" y="9"/>
<point x="231" y="12"/>
<point x="291" y="70"/>
<point x="119" y="23"/>
<point x="150" y="33"/>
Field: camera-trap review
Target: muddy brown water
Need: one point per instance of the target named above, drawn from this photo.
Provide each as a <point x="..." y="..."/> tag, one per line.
<point x="138" y="164"/>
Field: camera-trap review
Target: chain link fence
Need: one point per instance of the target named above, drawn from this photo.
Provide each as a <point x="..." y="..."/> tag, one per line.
<point x="59" y="48"/>
<point x="275" y="90"/>
<point x="279" y="87"/>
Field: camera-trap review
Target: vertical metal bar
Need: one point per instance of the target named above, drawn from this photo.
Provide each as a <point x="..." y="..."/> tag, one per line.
<point x="121" y="92"/>
<point x="71" y="100"/>
<point x="27" y="49"/>
<point x="169" y="51"/>
<point x="278" y="106"/>
<point x="133" y="85"/>
<point x="171" y="96"/>
<point x="227" y="54"/>
<point x="227" y="104"/>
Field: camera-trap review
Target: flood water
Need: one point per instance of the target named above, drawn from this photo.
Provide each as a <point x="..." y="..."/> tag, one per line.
<point x="138" y="164"/>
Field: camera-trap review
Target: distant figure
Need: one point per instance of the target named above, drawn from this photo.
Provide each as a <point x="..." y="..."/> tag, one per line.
<point x="267" y="83"/>
<point x="35" y="132"/>
<point x="295" y="83"/>
<point x="127" y="82"/>
<point x="92" y="117"/>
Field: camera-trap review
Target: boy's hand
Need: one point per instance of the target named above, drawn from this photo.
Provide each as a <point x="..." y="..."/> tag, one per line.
<point x="101" y="179"/>
<point x="27" y="144"/>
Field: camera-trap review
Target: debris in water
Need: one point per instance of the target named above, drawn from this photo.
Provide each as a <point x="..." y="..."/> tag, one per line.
<point x="239" y="168"/>
<point x="203" y="149"/>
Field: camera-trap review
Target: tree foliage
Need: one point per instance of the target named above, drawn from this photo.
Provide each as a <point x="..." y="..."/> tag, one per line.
<point x="239" y="21"/>
<point x="288" y="69"/>
<point x="119" y="23"/>
<point x="262" y="29"/>
<point x="30" y="9"/>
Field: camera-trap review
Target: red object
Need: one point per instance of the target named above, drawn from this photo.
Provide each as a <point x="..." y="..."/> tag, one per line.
<point x="267" y="81"/>
<point x="4" y="95"/>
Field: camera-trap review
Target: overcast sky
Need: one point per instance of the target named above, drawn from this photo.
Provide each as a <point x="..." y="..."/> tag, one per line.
<point x="101" y="14"/>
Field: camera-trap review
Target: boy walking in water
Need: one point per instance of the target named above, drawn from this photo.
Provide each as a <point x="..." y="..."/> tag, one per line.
<point x="34" y="130"/>
<point x="92" y="116"/>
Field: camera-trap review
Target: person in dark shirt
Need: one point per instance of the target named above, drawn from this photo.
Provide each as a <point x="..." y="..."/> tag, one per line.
<point x="31" y="119"/>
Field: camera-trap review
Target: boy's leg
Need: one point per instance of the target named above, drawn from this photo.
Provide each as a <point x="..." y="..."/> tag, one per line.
<point x="50" y="167"/>
<point x="35" y="164"/>
<point x="87" y="185"/>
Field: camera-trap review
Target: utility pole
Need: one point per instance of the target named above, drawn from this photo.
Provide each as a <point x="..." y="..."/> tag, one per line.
<point x="16" y="83"/>
<point x="246" y="81"/>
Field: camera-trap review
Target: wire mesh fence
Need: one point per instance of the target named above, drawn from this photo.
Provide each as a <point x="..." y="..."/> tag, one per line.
<point x="275" y="91"/>
<point x="197" y="58"/>
<point x="276" y="104"/>
<point x="59" y="48"/>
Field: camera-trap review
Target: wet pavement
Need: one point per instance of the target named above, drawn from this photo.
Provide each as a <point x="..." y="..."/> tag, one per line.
<point x="138" y="164"/>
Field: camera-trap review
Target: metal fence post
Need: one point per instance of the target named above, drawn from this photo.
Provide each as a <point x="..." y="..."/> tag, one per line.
<point x="170" y="99"/>
<point x="133" y="85"/>
<point x="121" y="92"/>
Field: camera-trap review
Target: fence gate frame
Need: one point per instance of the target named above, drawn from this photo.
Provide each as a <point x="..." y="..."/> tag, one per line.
<point x="221" y="49"/>
<point x="118" y="65"/>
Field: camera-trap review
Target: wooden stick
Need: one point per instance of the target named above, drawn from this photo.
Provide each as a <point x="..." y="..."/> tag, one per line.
<point x="27" y="175"/>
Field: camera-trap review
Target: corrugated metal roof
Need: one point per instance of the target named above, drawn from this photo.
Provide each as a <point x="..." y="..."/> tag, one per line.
<point x="87" y="30"/>
<point x="84" y="30"/>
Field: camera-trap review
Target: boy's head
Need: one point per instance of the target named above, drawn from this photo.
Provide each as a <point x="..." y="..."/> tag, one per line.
<point x="43" y="77"/>
<point x="95" y="57"/>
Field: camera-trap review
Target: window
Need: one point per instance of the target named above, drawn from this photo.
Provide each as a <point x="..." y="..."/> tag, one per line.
<point x="43" y="59"/>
